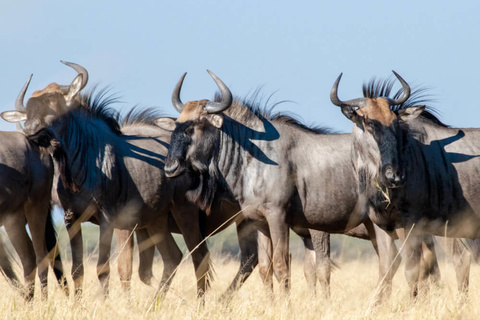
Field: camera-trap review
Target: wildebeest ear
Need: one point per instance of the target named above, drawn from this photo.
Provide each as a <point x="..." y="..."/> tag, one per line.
<point x="216" y="120"/>
<point x="165" y="123"/>
<point x="74" y="88"/>
<point x="351" y="114"/>
<point x="14" y="116"/>
<point x="410" y="113"/>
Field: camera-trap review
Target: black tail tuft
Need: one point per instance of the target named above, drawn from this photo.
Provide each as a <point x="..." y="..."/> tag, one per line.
<point x="52" y="247"/>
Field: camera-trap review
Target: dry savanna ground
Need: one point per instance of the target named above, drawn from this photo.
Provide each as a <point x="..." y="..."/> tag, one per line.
<point x="352" y="291"/>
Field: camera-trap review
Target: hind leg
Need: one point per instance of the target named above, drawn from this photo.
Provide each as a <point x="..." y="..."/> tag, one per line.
<point x="15" y="228"/>
<point x="169" y="250"/>
<point x="461" y="260"/>
<point x="429" y="264"/>
<point x="6" y="265"/>
<point x="146" y="251"/>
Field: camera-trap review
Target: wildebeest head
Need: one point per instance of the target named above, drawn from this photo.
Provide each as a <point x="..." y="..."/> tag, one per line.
<point x="380" y="131"/>
<point x="47" y="104"/>
<point x="195" y="135"/>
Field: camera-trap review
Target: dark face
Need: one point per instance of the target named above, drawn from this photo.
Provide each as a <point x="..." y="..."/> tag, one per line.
<point x="391" y="141"/>
<point x="191" y="148"/>
<point x="42" y="110"/>
<point x="383" y="137"/>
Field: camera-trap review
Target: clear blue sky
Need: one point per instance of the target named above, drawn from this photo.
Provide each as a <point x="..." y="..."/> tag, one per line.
<point x="293" y="48"/>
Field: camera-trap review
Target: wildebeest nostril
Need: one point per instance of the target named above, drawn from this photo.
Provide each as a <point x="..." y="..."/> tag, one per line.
<point x="171" y="166"/>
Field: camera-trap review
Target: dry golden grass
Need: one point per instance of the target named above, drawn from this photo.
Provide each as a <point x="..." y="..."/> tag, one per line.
<point x="352" y="289"/>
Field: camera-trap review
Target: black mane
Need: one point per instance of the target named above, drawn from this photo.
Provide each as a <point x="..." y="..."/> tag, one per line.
<point x="98" y="106"/>
<point x="376" y="88"/>
<point x="136" y="115"/>
<point x="258" y="106"/>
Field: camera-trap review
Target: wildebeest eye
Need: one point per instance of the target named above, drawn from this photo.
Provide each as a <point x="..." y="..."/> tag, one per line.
<point x="189" y="131"/>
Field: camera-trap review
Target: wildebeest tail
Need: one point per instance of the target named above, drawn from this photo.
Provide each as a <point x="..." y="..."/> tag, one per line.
<point x="52" y="247"/>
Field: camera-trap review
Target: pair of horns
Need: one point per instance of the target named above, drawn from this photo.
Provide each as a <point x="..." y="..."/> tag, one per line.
<point x="211" y="107"/>
<point x="361" y="102"/>
<point x="19" y="106"/>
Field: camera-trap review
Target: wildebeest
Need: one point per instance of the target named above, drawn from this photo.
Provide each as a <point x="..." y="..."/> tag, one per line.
<point x="282" y="173"/>
<point x="124" y="237"/>
<point x="416" y="171"/>
<point x="26" y="175"/>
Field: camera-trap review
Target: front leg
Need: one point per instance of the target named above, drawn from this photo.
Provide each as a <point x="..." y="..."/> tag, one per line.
<point x="125" y="257"/>
<point x="413" y="252"/>
<point x="321" y="244"/>
<point x="15" y="228"/>
<point x="279" y="233"/>
<point x="247" y="241"/>
<point x="74" y="230"/>
<point x="265" y="257"/>
<point x="388" y="259"/>
<point x="37" y="220"/>
<point x="187" y="218"/>
<point x="104" y="248"/>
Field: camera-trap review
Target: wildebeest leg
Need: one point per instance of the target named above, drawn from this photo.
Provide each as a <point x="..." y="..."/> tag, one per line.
<point x="146" y="252"/>
<point x="104" y="250"/>
<point x="15" y="228"/>
<point x="265" y="257"/>
<point x="74" y="229"/>
<point x="6" y="265"/>
<point x="321" y="244"/>
<point x="413" y="252"/>
<point x="190" y="229"/>
<point x="247" y="240"/>
<point x="279" y="233"/>
<point x="37" y="219"/>
<point x="168" y="248"/>
<point x="309" y="263"/>
<point x="125" y="257"/>
<point x="429" y="263"/>
<point x="388" y="262"/>
<point x="461" y="257"/>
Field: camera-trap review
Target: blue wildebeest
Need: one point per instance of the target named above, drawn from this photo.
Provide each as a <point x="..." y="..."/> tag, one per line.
<point x="282" y="173"/>
<point x="124" y="238"/>
<point x="26" y="175"/>
<point x="417" y="172"/>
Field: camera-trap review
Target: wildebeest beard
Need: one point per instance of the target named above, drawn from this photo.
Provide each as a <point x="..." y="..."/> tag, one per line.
<point x="204" y="186"/>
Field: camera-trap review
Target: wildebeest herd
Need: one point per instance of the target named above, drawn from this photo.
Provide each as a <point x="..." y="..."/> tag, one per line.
<point x="401" y="173"/>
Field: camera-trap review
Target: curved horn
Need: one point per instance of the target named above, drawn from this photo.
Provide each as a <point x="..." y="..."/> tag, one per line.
<point x="21" y="96"/>
<point x="176" y="102"/>
<point x="334" y="93"/>
<point x="217" y="107"/>
<point x="80" y="70"/>
<point x="406" y="91"/>
<point x="360" y="102"/>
